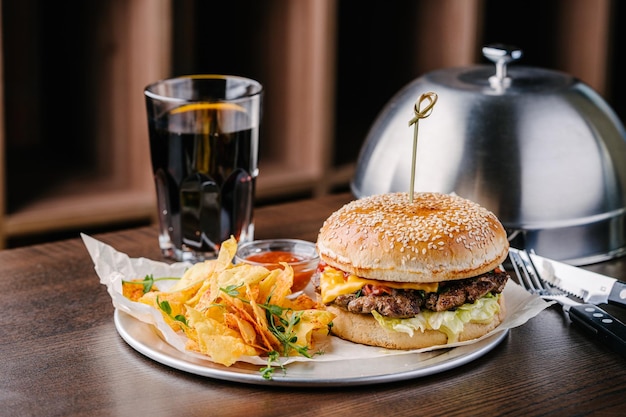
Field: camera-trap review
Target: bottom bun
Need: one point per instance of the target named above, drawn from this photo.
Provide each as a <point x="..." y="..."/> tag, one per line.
<point x="364" y="329"/>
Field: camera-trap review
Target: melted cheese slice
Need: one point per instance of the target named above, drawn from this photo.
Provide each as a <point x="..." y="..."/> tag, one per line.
<point x="333" y="284"/>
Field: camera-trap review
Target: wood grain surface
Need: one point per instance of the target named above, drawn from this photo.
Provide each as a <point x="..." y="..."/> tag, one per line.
<point x="60" y="354"/>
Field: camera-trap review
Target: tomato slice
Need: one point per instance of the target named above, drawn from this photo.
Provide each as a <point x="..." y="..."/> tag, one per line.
<point x="369" y="289"/>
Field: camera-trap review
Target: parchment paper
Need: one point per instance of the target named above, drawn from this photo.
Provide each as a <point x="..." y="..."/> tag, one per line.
<point x="113" y="266"/>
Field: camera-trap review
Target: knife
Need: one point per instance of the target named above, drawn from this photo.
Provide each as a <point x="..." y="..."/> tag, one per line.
<point x="592" y="287"/>
<point x="590" y="316"/>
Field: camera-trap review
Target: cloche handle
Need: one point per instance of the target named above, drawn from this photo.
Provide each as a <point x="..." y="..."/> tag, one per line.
<point x="501" y="55"/>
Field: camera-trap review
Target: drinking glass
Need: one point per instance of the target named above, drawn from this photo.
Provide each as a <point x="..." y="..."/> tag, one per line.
<point x="204" y="138"/>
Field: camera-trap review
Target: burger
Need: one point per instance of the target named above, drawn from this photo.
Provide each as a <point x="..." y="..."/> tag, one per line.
<point x="410" y="274"/>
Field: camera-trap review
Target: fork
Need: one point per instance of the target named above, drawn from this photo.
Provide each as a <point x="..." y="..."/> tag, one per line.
<point x="606" y="327"/>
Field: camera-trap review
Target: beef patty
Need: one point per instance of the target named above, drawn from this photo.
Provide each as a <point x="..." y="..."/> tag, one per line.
<point x="396" y="303"/>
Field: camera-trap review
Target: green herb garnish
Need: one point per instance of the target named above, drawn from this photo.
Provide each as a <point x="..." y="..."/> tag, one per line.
<point x="281" y="321"/>
<point x="167" y="309"/>
<point x="148" y="282"/>
<point x="267" y="372"/>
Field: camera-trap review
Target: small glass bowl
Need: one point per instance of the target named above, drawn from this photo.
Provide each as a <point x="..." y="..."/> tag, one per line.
<point x="299" y="254"/>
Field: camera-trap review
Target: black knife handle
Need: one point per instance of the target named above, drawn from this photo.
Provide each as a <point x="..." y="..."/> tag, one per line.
<point x="605" y="326"/>
<point x="618" y="294"/>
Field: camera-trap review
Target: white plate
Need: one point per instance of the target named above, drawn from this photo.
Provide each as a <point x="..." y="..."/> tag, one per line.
<point x="143" y="338"/>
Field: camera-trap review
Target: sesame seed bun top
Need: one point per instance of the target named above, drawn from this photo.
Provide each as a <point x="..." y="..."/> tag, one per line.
<point x="437" y="237"/>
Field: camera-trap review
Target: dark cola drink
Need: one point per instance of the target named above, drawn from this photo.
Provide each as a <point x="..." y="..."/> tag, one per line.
<point x="205" y="172"/>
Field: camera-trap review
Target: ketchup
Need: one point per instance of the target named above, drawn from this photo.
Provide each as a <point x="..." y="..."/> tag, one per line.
<point x="274" y="257"/>
<point x="271" y="260"/>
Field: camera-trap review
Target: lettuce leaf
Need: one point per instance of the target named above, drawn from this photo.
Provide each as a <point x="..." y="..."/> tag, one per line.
<point x="449" y="322"/>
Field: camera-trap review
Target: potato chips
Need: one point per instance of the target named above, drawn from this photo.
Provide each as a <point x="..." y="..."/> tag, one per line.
<point x="228" y="311"/>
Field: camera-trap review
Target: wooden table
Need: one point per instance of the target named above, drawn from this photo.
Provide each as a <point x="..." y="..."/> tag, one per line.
<point x="60" y="354"/>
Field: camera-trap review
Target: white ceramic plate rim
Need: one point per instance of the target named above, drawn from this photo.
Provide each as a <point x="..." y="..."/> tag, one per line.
<point x="143" y="338"/>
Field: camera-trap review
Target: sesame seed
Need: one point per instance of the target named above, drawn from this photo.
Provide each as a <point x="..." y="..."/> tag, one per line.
<point x="414" y="227"/>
